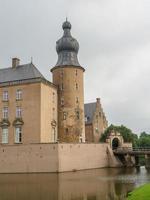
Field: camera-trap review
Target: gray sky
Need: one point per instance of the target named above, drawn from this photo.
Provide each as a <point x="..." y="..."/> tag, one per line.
<point x="114" y="37"/>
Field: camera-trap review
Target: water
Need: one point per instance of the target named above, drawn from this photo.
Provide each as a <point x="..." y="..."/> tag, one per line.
<point x="98" y="184"/>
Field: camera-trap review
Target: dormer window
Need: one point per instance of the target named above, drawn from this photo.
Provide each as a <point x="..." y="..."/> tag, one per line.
<point x="85" y="119"/>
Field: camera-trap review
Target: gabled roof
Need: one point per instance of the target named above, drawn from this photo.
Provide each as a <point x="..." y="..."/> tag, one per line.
<point x="89" y="109"/>
<point x="21" y="72"/>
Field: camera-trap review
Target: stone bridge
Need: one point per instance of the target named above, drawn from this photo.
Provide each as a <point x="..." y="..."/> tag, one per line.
<point x="134" y="152"/>
<point x="125" y="153"/>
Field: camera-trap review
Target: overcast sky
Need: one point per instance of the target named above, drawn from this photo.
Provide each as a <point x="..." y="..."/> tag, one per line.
<point x="114" y="37"/>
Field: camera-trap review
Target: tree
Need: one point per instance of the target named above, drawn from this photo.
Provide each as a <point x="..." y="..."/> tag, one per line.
<point x="144" y="140"/>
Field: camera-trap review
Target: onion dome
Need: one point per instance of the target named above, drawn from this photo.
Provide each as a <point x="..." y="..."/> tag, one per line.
<point x="67" y="48"/>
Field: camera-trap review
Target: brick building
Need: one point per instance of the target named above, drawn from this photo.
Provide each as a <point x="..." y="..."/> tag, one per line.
<point x="95" y="121"/>
<point x="34" y="110"/>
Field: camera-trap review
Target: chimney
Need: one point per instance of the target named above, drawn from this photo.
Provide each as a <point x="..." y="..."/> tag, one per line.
<point x="15" y="62"/>
<point x="98" y="100"/>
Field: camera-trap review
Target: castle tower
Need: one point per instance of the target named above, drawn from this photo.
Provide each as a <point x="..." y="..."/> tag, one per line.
<point x="68" y="76"/>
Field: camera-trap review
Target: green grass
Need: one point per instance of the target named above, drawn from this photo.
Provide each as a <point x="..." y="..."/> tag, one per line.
<point x="141" y="193"/>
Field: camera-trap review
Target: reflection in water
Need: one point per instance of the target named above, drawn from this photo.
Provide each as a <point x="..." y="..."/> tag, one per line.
<point x="99" y="184"/>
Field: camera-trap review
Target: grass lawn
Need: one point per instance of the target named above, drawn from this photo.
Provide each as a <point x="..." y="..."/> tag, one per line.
<point x="141" y="193"/>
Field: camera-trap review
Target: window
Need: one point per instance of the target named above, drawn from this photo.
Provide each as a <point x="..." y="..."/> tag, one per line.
<point x="62" y="101"/>
<point x="54" y="135"/>
<point x="77" y="100"/>
<point x="5" y="95"/>
<point x="85" y="119"/>
<point x="5" y="112"/>
<point x="53" y="112"/>
<point x="18" y="94"/>
<point x="61" y="86"/>
<point x="4" y="135"/>
<point x="64" y="115"/>
<point x="53" y="97"/>
<point x="18" y="135"/>
<point x="61" y="73"/>
<point x="76" y="72"/>
<point x="18" y="112"/>
<point x="76" y="86"/>
<point x="100" y="114"/>
<point x="67" y="130"/>
<point x="78" y="115"/>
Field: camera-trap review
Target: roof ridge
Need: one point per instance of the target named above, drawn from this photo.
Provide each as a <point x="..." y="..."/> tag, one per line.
<point x="21" y="72"/>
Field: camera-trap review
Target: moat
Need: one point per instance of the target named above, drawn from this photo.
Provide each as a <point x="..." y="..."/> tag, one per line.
<point x="98" y="184"/>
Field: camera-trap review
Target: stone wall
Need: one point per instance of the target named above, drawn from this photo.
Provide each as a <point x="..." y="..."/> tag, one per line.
<point x="52" y="157"/>
<point x="82" y="156"/>
<point x="29" y="158"/>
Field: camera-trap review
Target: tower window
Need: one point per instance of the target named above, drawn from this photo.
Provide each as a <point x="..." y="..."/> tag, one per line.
<point x="76" y="86"/>
<point x="76" y="72"/>
<point x="53" y="113"/>
<point x="64" y="115"/>
<point x="62" y="101"/>
<point x="5" y="95"/>
<point x="78" y="114"/>
<point x="61" y="73"/>
<point x="53" y="97"/>
<point x="18" y="94"/>
<point x="18" y="135"/>
<point x="62" y="86"/>
<point x="77" y="100"/>
<point x="67" y="130"/>
<point x="4" y="135"/>
<point x="18" y="112"/>
<point x="5" y="112"/>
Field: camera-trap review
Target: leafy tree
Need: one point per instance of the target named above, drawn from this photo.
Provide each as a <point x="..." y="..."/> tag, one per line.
<point x="144" y="140"/>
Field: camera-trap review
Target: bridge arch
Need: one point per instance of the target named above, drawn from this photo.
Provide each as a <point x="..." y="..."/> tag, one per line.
<point x="115" y="143"/>
<point x="115" y="140"/>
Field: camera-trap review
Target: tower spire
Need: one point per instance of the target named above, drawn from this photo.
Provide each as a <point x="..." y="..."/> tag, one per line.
<point x="68" y="76"/>
<point x="67" y="47"/>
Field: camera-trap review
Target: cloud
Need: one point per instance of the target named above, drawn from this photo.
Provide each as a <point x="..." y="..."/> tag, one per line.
<point x="114" y="48"/>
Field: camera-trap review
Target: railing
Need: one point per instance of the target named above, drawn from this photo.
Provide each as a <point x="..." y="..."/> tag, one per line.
<point x="141" y="149"/>
<point x="130" y="149"/>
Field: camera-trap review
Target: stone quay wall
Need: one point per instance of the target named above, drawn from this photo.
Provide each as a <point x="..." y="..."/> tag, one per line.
<point x="34" y="158"/>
